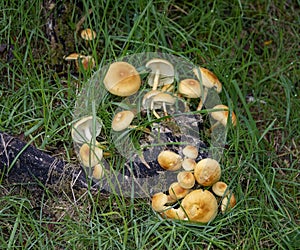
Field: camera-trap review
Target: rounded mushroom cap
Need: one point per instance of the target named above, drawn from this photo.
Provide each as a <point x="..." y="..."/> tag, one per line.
<point x="164" y="68"/>
<point x="189" y="88"/>
<point x="177" y="192"/>
<point x="122" y="120"/>
<point x="163" y="98"/>
<point x="169" y="160"/>
<point x="188" y="164"/>
<point x="190" y="151"/>
<point x="88" y="34"/>
<point x="222" y="114"/>
<point x="186" y="179"/>
<point x="82" y="130"/>
<point x="207" y="172"/>
<point x="147" y="98"/>
<point x="200" y="206"/>
<point x="90" y="155"/>
<point x="174" y="213"/>
<point x="209" y="79"/>
<point x="98" y="171"/>
<point x="122" y="79"/>
<point x="228" y="204"/>
<point x="159" y="201"/>
<point x="219" y="188"/>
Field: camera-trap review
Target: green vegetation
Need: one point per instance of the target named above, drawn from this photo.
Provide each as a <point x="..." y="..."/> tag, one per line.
<point x="253" y="48"/>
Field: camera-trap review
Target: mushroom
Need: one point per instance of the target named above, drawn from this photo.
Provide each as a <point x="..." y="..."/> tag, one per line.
<point x="159" y="201"/>
<point x="220" y="113"/>
<point x="209" y="80"/>
<point x="188" y="164"/>
<point x="82" y="131"/>
<point x="122" y="79"/>
<point x="87" y="62"/>
<point x="162" y="72"/>
<point x="228" y="203"/>
<point x="122" y="120"/>
<point x="177" y="192"/>
<point x="200" y="206"/>
<point x="189" y="88"/>
<point x="174" y="213"/>
<point x="98" y="171"/>
<point x="186" y="179"/>
<point x="190" y="151"/>
<point x="147" y="98"/>
<point x="161" y="99"/>
<point x="207" y="172"/>
<point x="88" y="34"/>
<point x="90" y="155"/>
<point x="219" y="188"/>
<point x="169" y="160"/>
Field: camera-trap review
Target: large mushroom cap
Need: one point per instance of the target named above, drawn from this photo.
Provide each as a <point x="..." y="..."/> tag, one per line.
<point x="189" y="88"/>
<point x="222" y="114"/>
<point x="122" y="120"/>
<point x="169" y="160"/>
<point x="200" y="206"/>
<point x="122" y="79"/>
<point x="207" y="172"/>
<point x="82" y="130"/>
<point x="208" y="79"/>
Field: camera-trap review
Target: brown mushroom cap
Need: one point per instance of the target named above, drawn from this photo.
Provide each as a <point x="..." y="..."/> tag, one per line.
<point x="228" y="204"/>
<point x="190" y="88"/>
<point x="188" y="164"/>
<point x="207" y="172"/>
<point x="90" y="155"/>
<point x="174" y="213"/>
<point x="82" y="130"/>
<point x="177" y="192"/>
<point x="200" y="206"/>
<point x="219" y="188"/>
<point x="208" y="79"/>
<point x="98" y="171"/>
<point x="122" y="79"/>
<point x="88" y="34"/>
<point x="122" y="120"/>
<point x="159" y="201"/>
<point x="190" y="151"/>
<point x="222" y="113"/>
<point x="161" y="98"/>
<point x="186" y="179"/>
<point x="169" y="160"/>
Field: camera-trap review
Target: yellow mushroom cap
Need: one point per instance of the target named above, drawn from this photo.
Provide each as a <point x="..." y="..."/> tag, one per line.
<point x="189" y="88"/>
<point x="88" y="34"/>
<point x="90" y="155"/>
<point x="188" y="164"/>
<point x="219" y="188"/>
<point x="221" y="114"/>
<point x="186" y="179"/>
<point x="207" y="172"/>
<point x="228" y="204"/>
<point x="190" y="151"/>
<point x="174" y="213"/>
<point x="177" y="192"/>
<point x="169" y="160"/>
<point x="208" y="79"/>
<point x="122" y="79"/>
<point x="159" y="201"/>
<point x="98" y="171"/>
<point x="122" y="120"/>
<point x="200" y="206"/>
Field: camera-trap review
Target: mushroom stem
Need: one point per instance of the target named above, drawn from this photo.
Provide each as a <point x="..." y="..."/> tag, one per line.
<point x="156" y="79"/>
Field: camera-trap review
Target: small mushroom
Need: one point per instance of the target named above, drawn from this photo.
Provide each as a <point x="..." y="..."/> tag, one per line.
<point x="72" y="56"/>
<point x="188" y="164"/>
<point x="200" y="206"/>
<point x="174" y="213"/>
<point x="122" y="79"/>
<point x="209" y="80"/>
<point x="98" y="171"/>
<point x="169" y="160"/>
<point x="159" y="201"/>
<point x="207" y="172"/>
<point x="147" y="98"/>
<point x="220" y="113"/>
<point x="88" y="34"/>
<point x="219" y="188"/>
<point x="90" y="155"/>
<point x="228" y="203"/>
<point x="177" y="192"/>
<point x="186" y="179"/>
<point x="161" y="100"/>
<point x="190" y="151"/>
<point x="122" y="120"/>
<point x="162" y="72"/>
<point x="82" y="131"/>
<point x="87" y="62"/>
<point x="189" y="88"/>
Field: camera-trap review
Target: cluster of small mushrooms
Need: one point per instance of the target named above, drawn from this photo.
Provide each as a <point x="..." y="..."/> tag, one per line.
<point x="185" y="199"/>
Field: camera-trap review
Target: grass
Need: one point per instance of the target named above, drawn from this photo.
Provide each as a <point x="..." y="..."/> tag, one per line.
<point x="253" y="48"/>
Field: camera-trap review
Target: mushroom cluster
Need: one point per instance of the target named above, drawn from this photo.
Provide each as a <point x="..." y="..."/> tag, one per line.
<point x="198" y="190"/>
